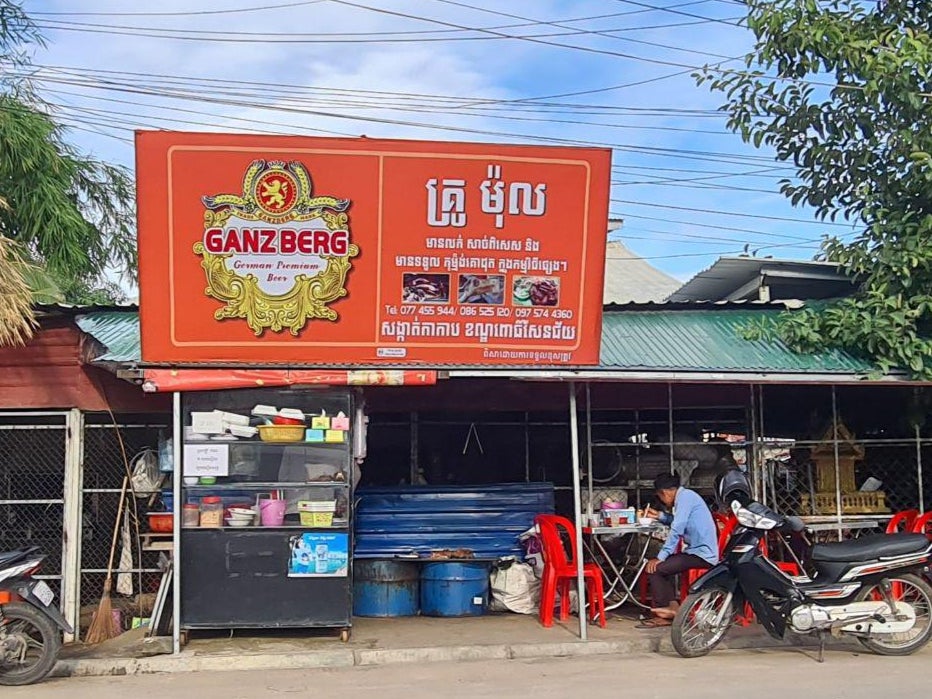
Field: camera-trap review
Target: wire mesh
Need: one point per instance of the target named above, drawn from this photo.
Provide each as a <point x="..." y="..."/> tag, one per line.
<point x="32" y="467"/>
<point x="104" y="471"/>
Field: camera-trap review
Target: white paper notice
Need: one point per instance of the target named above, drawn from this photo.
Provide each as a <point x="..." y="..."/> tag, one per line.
<point x="206" y="459"/>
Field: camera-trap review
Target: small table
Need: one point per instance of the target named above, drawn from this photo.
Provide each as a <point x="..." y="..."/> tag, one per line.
<point x="825" y="525"/>
<point x="614" y="575"/>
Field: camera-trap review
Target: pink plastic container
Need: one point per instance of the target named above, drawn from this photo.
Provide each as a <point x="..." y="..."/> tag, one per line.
<point x="272" y="512"/>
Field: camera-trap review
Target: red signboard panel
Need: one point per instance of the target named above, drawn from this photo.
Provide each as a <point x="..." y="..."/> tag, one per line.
<point x="309" y="251"/>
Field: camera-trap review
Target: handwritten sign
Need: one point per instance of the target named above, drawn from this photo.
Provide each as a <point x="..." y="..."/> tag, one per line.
<point x="206" y="459"/>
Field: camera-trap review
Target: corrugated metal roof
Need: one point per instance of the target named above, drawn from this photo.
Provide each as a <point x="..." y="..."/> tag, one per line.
<point x="707" y="340"/>
<point x="629" y="278"/>
<point x="674" y="339"/>
<point x="727" y="275"/>
<point x="118" y="331"/>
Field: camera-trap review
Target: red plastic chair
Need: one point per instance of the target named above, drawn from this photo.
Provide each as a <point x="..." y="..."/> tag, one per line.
<point x="923" y="525"/>
<point x="560" y="572"/>
<point x="726" y="526"/>
<point x="903" y="521"/>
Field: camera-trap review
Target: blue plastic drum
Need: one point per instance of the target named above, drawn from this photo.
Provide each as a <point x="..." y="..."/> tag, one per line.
<point x="385" y="588"/>
<point x="455" y="589"/>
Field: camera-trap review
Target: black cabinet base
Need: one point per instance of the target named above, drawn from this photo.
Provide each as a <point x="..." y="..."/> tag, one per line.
<point x="233" y="580"/>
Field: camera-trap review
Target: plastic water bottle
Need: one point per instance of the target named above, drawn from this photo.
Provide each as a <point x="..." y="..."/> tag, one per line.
<point x="321" y="558"/>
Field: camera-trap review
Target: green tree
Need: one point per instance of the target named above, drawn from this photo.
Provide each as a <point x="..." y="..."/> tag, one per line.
<point x="66" y="220"/>
<point x="842" y="90"/>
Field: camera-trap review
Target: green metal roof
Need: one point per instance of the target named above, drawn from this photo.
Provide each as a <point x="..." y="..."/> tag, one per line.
<point x="118" y="331"/>
<point x="707" y="340"/>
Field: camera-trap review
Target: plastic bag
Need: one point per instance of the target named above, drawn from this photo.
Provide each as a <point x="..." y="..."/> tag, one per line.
<point x="515" y="588"/>
<point x="533" y="550"/>
<point x="146" y="475"/>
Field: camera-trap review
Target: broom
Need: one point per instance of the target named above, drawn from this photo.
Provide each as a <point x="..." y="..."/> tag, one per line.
<point x="101" y="628"/>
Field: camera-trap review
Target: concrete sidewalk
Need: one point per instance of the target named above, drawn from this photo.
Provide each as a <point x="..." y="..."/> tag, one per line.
<point x="384" y="642"/>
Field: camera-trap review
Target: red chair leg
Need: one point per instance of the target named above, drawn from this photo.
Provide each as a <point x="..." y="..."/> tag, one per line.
<point x="548" y="593"/>
<point x="565" y="587"/>
<point x="597" y="600"/>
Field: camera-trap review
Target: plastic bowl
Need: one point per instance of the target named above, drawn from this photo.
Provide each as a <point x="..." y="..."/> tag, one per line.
<point x="161" y="522"/>
<point x="279" y="420"/>
<point x="242" y="512"/>
<point x="281" y="433"/>
<point x="646" y="521"/>
<point x="190" y="480"/>
<point x="207" y="480"/>
<point x="239" y="522"/>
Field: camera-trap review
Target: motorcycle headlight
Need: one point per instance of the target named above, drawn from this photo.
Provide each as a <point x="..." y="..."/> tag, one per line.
<point x="749" y="519"/>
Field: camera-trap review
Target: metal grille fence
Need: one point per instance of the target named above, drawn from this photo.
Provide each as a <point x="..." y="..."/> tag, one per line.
<point x="104" y="471"/>
<point x="32" y="468"/>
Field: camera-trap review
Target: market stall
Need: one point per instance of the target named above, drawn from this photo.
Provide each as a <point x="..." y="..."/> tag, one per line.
<point x="266" y="508"/>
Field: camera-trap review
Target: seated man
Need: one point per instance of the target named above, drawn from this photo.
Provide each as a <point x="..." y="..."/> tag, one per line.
<point x="691" y="523"/>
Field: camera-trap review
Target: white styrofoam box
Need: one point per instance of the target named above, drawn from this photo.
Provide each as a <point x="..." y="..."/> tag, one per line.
<point x="234" y="418"/>
<point x="244" y="431"/>
<point x="207" y="423"/>
<point x="265" y="411"/>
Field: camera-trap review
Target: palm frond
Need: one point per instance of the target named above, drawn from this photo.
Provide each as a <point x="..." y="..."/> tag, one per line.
<point x="17" y="320"/>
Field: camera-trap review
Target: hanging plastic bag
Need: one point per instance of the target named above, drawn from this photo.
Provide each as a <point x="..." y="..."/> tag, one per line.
<point x="515" y="588"/>
<point x="146" y="475"/>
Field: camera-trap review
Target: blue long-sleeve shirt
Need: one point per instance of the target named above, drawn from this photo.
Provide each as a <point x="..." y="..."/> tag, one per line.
<point x="691" y="523"/>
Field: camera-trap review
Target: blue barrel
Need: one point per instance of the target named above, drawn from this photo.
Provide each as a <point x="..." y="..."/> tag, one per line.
<point x="455" y="589"/>
<point x="385" y="588"/>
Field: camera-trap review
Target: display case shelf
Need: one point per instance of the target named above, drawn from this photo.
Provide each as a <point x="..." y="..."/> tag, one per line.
<point x="338" y="526"/>
<point x="277" y="485"/>
<point x="260" y="442"/>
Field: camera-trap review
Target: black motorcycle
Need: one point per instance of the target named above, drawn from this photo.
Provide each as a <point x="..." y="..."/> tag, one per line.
<point x="31" y="626"/>
<point x="870" y="588"/>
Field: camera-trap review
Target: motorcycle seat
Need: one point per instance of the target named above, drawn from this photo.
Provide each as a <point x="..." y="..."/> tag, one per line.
<point x="870" y="548"/>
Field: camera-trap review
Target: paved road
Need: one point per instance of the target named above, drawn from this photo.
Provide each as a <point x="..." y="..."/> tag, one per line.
<point x="774" y="673"/>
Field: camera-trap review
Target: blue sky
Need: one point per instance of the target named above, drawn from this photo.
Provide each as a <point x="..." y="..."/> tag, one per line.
<point x="606" y="72"/>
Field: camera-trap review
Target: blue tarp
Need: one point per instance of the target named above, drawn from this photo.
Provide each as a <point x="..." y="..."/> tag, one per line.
<point x="417" y="519"/>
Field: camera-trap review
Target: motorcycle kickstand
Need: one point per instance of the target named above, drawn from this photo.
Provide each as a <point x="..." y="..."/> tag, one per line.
<point x="821" y="658"/>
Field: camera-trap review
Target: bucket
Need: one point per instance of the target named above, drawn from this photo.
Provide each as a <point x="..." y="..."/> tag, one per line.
<point x="385" y="588"/>
<point x="272" y="512"/>
<point x="455" y="589"/>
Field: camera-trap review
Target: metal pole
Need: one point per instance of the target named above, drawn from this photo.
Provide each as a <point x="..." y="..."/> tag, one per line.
<point x="177" y="433"/>
<point x="415" y="450"/>
<point x="670" y="421"/>
<point x="922" y="501"/>
<point x="527" y="447"/>
<point x="589" y="448"/>
<point x="837" y="464"/>
<point x="577" y="503"/>
<point x="72" y="519"/>
<point x="637" y="456"/>
<point x="751" y="453"/>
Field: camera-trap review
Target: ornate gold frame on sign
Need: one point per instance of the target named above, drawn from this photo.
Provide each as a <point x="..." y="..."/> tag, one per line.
<point x="308" y="299"/>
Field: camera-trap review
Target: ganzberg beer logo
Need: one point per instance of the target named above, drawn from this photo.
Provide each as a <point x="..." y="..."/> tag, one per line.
<point x="276" y="256"/>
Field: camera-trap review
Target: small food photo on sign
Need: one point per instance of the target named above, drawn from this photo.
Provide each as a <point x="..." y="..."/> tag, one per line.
<point x="482" y="289"/>
<point x="536" y="291"/>
<point x="425" y="288"/>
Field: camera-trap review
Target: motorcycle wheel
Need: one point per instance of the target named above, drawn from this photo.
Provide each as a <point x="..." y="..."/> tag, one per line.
<point x="917" y="592"/>
<point x="694" y="632"/>
<point x="22" y="623"/>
